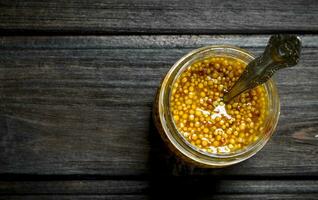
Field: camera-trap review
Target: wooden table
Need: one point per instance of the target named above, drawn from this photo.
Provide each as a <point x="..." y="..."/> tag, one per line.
<point x="77" y="82"/>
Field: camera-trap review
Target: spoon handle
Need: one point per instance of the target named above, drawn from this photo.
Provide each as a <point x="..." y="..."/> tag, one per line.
<point x="281" y="51"/>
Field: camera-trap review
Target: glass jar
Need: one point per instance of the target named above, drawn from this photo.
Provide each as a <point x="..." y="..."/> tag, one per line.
<point x="177" y="143"/>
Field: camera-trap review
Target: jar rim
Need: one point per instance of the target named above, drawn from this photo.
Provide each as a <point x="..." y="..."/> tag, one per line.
<point x="181" y="144"/>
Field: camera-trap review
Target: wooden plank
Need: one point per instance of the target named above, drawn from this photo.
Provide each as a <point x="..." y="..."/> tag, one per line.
<point x="73" y="109"/>
<point x="151" y="16"/>
<point x="142" y="42"/>
<point x="154" y="196"/>
<point x="72" y="197"/>
<point x="155" y="186"/>
<point x="87" y="187"/>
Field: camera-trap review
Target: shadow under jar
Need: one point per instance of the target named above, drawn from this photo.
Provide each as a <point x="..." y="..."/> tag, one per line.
<point x="194" y="122"/>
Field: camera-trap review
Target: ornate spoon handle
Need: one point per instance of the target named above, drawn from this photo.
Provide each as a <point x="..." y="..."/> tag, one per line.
<point x="281" y="51"/>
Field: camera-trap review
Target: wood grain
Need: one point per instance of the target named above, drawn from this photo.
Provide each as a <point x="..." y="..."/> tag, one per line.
<point x="152" y="16"/>
<point x="153" y="189"/>
<point x="144" y="197"/>
<point x="82" y="105"/>
<point x="156" y="186"/>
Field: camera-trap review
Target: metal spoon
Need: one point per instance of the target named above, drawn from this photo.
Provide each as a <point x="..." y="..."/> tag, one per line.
<point x="281" y="51"/>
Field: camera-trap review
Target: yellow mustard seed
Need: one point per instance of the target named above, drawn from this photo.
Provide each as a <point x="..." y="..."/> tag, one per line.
<point x="242" y="126"/>
<point x="216" y="143"/>
<point x="191" y="117"/>
<point x="204" y="143"/>
<point x="218" y="137"/>
<point x="197" y="124"/>
<point x="205" y="130"/>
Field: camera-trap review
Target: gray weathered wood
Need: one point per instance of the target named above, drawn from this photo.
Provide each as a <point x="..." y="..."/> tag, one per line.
<point x="82" y="105"/>
<point x="144" y="197"/>
<point x="155" y="186"/>
<point x="84" y="197"/>
<point x="152" y="16"/>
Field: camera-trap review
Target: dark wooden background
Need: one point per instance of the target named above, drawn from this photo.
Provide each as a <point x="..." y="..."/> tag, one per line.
<point x="77" y="82"/>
